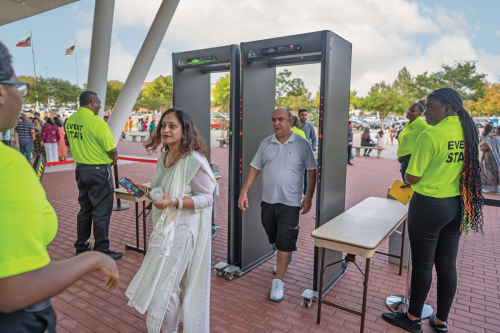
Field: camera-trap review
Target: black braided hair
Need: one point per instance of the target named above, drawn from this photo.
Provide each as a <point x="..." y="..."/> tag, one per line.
<point x="6" y="70"/>
<point x="470" y="180"/>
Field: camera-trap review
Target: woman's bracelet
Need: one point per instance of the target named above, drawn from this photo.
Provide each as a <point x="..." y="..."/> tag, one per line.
<point x="172" y="202"/>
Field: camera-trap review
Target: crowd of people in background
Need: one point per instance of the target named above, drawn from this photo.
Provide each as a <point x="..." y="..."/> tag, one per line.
<point x="33" y="136"/>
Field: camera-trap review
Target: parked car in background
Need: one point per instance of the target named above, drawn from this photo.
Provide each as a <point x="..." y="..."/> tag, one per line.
<point x="359" y="124"/>
<point x="480" y="122"/>
<point x="135" y="113"/>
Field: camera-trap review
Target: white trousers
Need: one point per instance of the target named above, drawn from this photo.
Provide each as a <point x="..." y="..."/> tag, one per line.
<point x="170" y="321"/>
<point x="51" y="150"/>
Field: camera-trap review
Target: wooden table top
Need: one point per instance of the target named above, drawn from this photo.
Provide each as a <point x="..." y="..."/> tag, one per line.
<point x="363" y="228"/>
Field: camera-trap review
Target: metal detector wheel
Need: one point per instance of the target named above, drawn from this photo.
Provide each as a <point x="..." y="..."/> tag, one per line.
<point x="308" y="296"/>
<point x="229" y="271"/>
<point x="219" y="268"/>
<point x="215" y="228"/>
<point x="396" y="303"/>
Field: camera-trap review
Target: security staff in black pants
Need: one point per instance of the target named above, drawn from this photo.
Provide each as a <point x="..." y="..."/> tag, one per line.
<point x="408" y="136"/>
<point x="94" y="151"/>
<point x="350" y="141"/>
<point x="445" y="176"/>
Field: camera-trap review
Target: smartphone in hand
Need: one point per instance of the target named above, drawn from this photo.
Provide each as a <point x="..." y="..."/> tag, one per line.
<point x="128" y="185"/>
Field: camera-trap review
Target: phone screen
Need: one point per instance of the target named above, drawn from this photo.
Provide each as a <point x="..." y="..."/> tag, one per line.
<point x="137" y="191"/>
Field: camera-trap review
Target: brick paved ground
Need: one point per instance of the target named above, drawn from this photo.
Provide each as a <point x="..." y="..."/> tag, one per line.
<point x="242" y="305"/>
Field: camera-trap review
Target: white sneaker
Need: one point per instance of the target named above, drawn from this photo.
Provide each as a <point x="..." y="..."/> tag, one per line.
<point x="277" y="290"/>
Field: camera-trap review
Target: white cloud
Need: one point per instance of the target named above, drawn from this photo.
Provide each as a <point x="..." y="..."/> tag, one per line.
<point x="498" y="33"/>
<point x="84" y="38"/>
<point x="386" y="35"/>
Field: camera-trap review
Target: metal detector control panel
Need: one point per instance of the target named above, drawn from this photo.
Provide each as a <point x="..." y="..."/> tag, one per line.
<point x="285" y="49"/>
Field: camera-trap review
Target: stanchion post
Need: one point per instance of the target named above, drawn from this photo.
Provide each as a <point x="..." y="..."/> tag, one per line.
<point x="118" y="205"/>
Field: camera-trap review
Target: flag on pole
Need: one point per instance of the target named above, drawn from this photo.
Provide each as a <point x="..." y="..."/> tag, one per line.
<point x="25" y="42"/>
<point x="70" y="50"/>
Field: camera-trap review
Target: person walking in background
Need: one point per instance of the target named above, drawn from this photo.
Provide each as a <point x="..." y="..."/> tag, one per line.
<point x="93" y="149"/>
<point x="408" y="136"/>
<point x="295" y="126"/>
<point x="310" y="133"/>
<point x="490" y="163"/>
<point x="139" y="125"/>
<point x="37" y="116"/>
<point x="38" y="148"/>
<point x="62" y="152"/>
<point x="25" y="134"/>
<point x="393" y="133"/>
<point x="152" y="127"/>
<point x="50" y="139"/>
<point x="366" y="141"/>
<point x="488" y="131"/>
<point x="6" y="137"/>
<point x="282" y="158"/>
<point x="350" y="142"/>
<point x="130" y="122"/>
<point x="381" y="139"/>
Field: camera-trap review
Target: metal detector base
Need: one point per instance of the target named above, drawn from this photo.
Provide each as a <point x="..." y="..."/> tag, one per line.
<point x="308" y="296"/>
<point x="122" y="207"/>
<point x="398" y="303"/>
<point x="227" y="270"/>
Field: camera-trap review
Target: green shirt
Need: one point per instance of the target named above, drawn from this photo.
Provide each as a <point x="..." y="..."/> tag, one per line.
<point x="89" y="138"/>
<point x="28" y="221"/>
<point x="409" y="135"/>
<point x="298" y="131"/>
<point x="438" y="159"/>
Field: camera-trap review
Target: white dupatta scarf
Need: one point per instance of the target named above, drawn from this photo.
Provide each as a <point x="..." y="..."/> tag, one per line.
<point x="152" y="285"/>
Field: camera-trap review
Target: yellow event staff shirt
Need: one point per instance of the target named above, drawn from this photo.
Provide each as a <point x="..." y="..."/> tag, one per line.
<point x="28" y="221"/>
<point x="89" y="138"/>
<point x="438" y="158"/>
<point x="409" y="135"/>
<point x="298" y="131"/>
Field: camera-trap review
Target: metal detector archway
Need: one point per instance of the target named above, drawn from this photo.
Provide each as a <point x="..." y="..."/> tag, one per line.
<point x="259" y="62"/>
<point x="191" y="92"/>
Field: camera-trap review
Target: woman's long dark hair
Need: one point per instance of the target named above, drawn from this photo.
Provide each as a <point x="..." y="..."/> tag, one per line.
<point x="487" y="129"/>
<point x="49" y="121"/>
<point x="58" y="122"/>
<point x="470" y="179"/>
<point x="191" y="141"/>
<point x="366" y="134"/>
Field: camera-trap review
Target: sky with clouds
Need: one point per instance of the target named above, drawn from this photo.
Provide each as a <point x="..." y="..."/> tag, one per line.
<point x="386" y="35"/>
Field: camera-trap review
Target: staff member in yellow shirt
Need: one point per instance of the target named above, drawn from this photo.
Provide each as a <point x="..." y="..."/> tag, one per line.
<point x="408" y="137"/>
<point x="28" y="278"/>
<point x="94" y="150"/>
<point x="445" y="176"/>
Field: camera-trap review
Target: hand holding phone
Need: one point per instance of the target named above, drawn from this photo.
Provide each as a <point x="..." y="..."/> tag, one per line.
<point x="129" y="186"/>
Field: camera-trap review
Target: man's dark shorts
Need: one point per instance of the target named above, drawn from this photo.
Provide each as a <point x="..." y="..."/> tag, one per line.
<point x="281" y="223"/>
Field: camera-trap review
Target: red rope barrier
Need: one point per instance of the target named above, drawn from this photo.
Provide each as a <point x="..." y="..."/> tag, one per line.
<point x="119" y="157"/>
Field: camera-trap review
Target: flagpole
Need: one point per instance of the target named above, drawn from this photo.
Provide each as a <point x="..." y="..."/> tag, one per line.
<point x="33" y="51"/>
<point x="76" y="65"/>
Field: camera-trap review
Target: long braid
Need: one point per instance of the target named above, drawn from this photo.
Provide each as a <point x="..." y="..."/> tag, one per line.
<point x="470" y="179"/>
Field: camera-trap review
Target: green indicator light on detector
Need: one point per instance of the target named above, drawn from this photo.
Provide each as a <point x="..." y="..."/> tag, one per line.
<point x="230" y="132"/>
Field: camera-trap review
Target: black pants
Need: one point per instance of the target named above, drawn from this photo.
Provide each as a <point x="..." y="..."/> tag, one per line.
<point x="434" y="231"/>
<point x="25" y="321"/>
<point x="349" y="152"/>
<point x="405" y="160"/>
<point x="95" y="186"/>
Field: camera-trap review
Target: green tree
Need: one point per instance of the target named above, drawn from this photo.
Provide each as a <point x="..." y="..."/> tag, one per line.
<point x="286" y="87"/>
<point x="302" y="100"/>
<point x="62" y="93"/>
<point x="384" y="102"/>
<point x="221" y="93"/>
<point x="404" y="85"/>
<point x="463" y="77"/>
<point x="158" y="94"/>
<point x="113" y="89"/>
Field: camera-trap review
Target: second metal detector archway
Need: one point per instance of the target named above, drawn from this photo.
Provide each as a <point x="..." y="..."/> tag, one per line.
<point x="191" y="92"/>
<point x="259" y="62"/>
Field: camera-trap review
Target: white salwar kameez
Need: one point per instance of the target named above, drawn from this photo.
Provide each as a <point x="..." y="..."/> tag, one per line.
<point x="181" y="273"/>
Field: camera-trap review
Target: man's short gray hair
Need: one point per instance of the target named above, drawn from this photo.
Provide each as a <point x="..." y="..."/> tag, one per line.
<point x="287" y="111"/>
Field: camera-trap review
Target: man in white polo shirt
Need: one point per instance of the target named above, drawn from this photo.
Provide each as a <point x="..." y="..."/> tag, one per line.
<point x="282" y="158"/>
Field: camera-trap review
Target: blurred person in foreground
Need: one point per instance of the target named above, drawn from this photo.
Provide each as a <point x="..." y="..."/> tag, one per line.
<point x="28" y="278"/>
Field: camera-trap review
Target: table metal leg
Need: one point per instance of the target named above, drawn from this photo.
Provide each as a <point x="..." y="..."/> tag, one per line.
<point x="137" y="247"/>
<point x="402" y="247"/>
<point x="144" y="225"/>
<point x="320" y="290"/>
<point x="365" y="293"/>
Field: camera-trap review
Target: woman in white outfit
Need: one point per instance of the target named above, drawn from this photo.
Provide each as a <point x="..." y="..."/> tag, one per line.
<point x="173" y="282"/>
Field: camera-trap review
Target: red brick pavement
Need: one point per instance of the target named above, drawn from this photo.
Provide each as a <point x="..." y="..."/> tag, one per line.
<point x="243" y="305"/>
